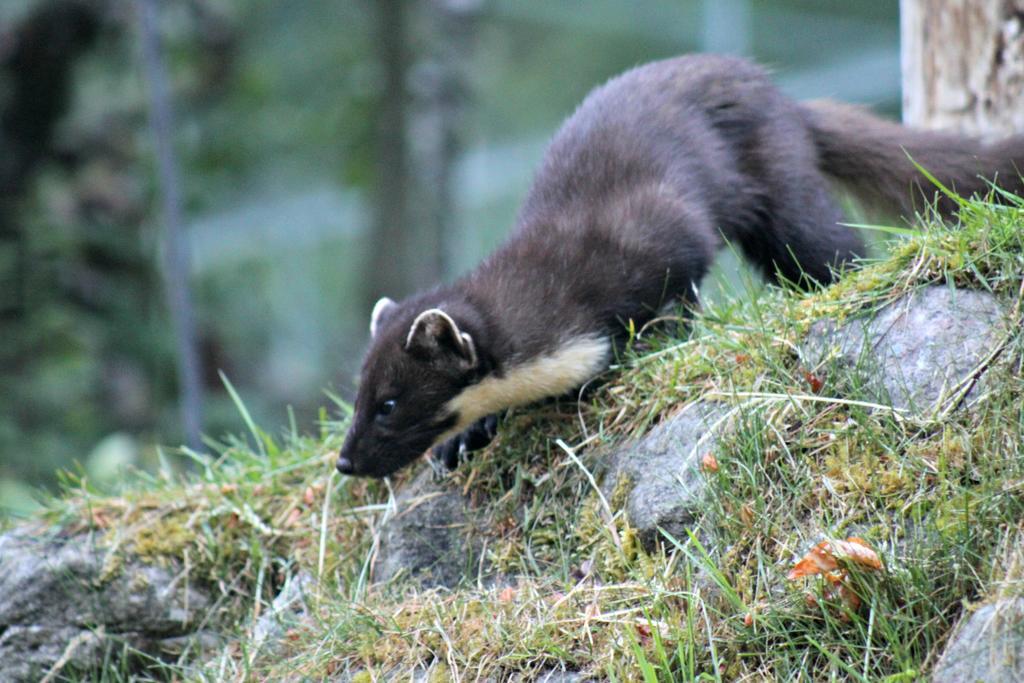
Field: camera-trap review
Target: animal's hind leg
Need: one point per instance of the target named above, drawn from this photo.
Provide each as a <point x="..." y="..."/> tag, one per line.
<point x="801" y="240"/>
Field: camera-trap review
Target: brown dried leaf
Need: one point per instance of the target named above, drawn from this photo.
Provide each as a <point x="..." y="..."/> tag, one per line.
<point x="837" y="591"/>
<point x="851" y="599"/>
<point x="709" y="463"/>
<point x="824" y="558"/>
<point x="818" y="561"/>
<point x="857" y="550"/>
<point x="747" y="515"/>
<point x="813" y="381"/>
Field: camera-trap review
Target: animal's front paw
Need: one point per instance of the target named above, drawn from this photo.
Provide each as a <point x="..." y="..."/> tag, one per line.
<point x="457" y="448"/>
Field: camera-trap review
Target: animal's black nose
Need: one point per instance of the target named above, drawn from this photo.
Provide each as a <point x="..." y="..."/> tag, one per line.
<point x="344" y="465"/>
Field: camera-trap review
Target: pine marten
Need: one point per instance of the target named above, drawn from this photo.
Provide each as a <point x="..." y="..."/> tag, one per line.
<point x="638" y="189"/>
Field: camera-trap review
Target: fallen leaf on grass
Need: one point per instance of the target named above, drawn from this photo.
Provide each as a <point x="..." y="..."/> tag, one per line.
<point x="813" y="381"/>
<point x="709" y="463"/>
<point x="824" y="558"/>
<point x="834" y="591"/>
<point x="747" y="515"/>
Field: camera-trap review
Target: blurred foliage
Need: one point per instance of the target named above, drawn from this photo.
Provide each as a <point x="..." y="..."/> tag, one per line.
<point x="276" y="105"/>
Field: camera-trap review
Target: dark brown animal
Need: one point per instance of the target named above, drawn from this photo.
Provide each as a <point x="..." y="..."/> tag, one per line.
<point x="639" y="188"/>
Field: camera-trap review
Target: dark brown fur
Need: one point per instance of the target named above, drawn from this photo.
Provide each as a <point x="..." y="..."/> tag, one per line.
<point x="875" y="159"/>
<point x="634" y="196"/>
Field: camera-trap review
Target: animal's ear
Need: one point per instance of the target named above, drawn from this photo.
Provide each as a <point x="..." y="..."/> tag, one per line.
<point x="380" y="309"/>
<point x="433" y="332"/>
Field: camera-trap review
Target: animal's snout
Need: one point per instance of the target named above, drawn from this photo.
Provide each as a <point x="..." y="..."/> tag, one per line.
<point x="344" y="465"/>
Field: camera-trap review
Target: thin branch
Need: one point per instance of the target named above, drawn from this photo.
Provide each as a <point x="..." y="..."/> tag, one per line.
<point x="176" y="261"/>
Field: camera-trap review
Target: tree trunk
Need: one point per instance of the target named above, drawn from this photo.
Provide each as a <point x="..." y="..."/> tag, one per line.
<point x="36" y="70"/>
<point x="963" y="65"/>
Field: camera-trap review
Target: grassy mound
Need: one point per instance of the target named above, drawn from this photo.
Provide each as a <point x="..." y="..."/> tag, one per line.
<point x="940" y="498"/>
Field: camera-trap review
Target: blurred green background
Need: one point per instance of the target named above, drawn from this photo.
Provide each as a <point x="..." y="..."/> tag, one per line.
<point x="329" y="152"/>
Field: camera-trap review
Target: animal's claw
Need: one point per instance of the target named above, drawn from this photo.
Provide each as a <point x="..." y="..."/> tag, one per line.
<point x="456" y="449"/>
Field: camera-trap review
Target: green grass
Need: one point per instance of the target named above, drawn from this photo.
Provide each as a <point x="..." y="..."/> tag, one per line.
<point x="940" y="497"/>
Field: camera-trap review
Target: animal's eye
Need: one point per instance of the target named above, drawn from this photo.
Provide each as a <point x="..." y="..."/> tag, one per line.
<point x="386" y="408"/>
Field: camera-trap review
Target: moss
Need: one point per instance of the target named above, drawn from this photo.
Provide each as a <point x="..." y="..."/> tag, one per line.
<point x="939" y="499"/>
<point x="167" y="538"/>
<point x="113" y="565"/>
<point x="611" y="545"/>
<point x="440" y="673"/>
<point x="854" y="465"/>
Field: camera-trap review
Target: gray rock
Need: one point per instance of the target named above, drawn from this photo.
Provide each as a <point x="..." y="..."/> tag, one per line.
<point x="661" y="472"/>
<point x="913" y="352"/>
<point x="557" y="676"/>
<point x="916" y="349"/>
<point x="988" y="647"/>
<point x="288" y="609"/>
<point x="62" y="606"/>
<point x="429" y="539"/>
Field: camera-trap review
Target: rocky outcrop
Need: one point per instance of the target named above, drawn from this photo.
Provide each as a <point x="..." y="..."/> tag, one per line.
<point x="929" y="349"/>
<point x="428" y="538"/>
<point x="931" y="345"/>
<point x="660" y="475"/>
<point x="289" y="609"/>
<point x="65" y="602"/>
<point x="988" y="646"/>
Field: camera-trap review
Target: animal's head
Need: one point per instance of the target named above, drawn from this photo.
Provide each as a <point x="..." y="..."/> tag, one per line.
<point x="419" y="360"/>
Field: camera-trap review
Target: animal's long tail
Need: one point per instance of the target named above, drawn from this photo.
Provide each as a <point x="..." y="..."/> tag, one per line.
<point x="871" y="157"/>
